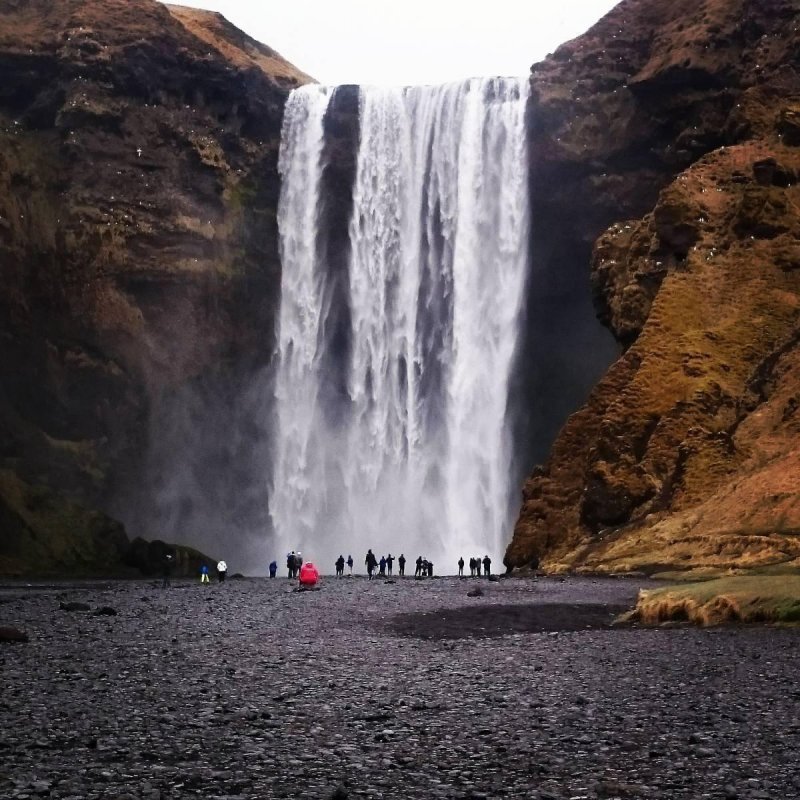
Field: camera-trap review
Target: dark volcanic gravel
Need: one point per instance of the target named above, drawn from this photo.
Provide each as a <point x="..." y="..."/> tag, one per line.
<point x="403" y="690"/>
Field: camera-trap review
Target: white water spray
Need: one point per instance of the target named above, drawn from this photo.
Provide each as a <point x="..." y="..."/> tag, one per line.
<point x="419" y="461"/>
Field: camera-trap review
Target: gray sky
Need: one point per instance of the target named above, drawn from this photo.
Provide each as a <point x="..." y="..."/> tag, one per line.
<point x="410" y="41"/>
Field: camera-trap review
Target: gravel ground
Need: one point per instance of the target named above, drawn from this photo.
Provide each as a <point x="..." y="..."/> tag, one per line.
<point x="387" y="690"/>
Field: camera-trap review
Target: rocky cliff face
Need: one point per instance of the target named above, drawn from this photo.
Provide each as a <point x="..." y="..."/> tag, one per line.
<point x="677" y="125"/>
<point x="138" y="242"/>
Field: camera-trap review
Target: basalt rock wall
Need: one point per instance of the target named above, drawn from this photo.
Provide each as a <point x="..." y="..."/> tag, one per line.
<point x="138" y="237"/>
<point x="665" y="150"/>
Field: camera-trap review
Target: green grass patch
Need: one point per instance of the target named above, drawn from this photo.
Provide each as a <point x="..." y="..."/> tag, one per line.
<point x="767" y="598"/>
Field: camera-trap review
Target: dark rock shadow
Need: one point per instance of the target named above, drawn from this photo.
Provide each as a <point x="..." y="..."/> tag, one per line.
<point x="489" y="621"/>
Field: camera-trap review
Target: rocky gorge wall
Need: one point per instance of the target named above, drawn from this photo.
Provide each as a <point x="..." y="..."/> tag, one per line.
<point x="138" y="249"/>
<point x="677" y="126"/>
<point x="139" y="258"/>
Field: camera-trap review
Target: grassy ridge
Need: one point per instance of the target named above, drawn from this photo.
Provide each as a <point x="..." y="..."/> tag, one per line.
<point x="740" y="599"/>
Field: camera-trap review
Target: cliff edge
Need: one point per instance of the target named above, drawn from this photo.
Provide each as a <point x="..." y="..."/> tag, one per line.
<point x="138" y="237"/>
<point x="677" y="126"/>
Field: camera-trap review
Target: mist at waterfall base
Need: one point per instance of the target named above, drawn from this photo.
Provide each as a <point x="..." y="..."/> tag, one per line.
<point x="391" y="427"/>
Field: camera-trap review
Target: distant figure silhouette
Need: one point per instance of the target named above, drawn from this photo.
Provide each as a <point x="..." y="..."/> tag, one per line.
<point x="340" y="566"/>
<point x="273" y="569"/>
<point x="222" y="571"/>
<point x="389" y="562"/>
<point x="204" y="574"/>
<point x="350" y="563"/>
<point x="166" y="569"/>
<point x="371" y="563"/>
<point x="382" y="565"/>
<point x="401" y="564"/>
<point x="418" y="570"/>
<point x="487" y="566"/>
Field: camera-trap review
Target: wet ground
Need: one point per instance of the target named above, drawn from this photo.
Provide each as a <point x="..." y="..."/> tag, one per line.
<point x="398" y="690"/>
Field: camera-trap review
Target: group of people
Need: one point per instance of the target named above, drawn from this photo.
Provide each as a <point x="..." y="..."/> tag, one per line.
<point x="339" y="564"/>
<point x="294" y="561"/>
<point x="385" y="565"/>
<point x="222" y="571"/>
<point x="475" y="566"/>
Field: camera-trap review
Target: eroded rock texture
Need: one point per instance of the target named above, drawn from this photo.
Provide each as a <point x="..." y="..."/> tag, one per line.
<point x="138" y="242"/>
<point x="680" y="120"/>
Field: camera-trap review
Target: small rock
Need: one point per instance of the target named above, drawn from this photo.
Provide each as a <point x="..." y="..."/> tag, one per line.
<point x="340" y="793"/>
<point x="11" y="634"/>
<point x="73" y="606"/>
<point x="476" y="592"/>
<point x="105" y="611"/>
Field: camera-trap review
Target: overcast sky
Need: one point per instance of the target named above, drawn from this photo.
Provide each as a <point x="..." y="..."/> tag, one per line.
<point x="410" y="41"/>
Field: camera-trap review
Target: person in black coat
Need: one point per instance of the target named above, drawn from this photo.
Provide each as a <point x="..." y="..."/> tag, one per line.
<point x="371" y="563"/>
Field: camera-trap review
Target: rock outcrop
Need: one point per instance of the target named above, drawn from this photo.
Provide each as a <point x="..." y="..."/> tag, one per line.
<point x="678" y="123"/>
<point x="138" y="238"/>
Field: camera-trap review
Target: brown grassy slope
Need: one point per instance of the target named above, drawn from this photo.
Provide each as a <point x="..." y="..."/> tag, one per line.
<point x="684" y="453"/>
<point x="752" y="598"/>
<point x="237" y="47"/>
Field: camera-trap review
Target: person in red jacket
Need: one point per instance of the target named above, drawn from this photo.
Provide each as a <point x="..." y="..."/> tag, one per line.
<point x="309" y="575"/>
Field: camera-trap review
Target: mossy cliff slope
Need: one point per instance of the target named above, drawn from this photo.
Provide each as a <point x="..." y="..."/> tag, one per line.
<point x="138" y="242"/>
<point x="686" y="454"/>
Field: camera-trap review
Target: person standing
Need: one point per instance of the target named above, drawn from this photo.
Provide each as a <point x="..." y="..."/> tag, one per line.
<point x="166" y="570"/>
<point x="290" y="562"/>
<point x="222" y="571"/>
<point x="487" y="566"/>
<point x="204" y="574"/>
<point x="371" y="563"/>
<point x="461" y="566"/>
<point x="340" y="566"/>
<point x="350" y="563"/>
<point x="273" y="569"/>
<point x="389" y="563"/>
<point x="382" y="567"/>
<point x="401" y="565"/>
<point x="418" y="570"/>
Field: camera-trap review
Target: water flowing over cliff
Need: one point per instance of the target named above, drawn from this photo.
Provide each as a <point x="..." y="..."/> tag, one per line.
<point x="391" y="426"/>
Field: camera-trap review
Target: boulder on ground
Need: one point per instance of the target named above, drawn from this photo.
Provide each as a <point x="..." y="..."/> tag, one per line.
<point x="8" y="633"/>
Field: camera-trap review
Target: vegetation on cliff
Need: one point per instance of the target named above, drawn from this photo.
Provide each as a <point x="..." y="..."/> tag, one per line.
<point x="138" y="242"/>
<point x="685" y="455"/>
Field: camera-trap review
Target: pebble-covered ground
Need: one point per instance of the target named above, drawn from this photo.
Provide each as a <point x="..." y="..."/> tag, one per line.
<point x="359" y="689"/>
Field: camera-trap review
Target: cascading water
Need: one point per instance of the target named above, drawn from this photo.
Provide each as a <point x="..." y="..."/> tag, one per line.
<point x="418" y="460"/>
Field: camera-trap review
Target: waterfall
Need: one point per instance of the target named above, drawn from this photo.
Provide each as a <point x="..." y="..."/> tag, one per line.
<point x="418" y="458"/>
